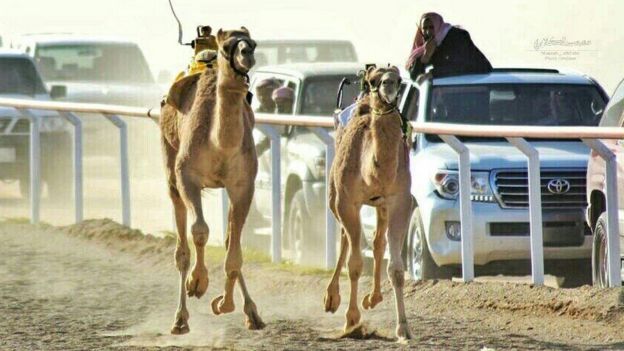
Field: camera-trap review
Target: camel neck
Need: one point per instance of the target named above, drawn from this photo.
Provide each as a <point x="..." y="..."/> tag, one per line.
<point x="386" y="138"/>
<point x="229" y="126"/>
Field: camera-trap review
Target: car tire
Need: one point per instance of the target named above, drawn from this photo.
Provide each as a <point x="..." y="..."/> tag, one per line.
<point x="420" y="264"/>
<point x="600" y="259"/>
<point x="299" y="231"/>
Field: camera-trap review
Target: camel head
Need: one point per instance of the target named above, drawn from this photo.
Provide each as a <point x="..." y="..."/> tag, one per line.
<point x="384" y="84"/>
<point x="237" y="49"/>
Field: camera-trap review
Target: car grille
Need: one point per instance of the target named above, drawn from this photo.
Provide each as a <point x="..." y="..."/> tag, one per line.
<point x="512" y="190"/>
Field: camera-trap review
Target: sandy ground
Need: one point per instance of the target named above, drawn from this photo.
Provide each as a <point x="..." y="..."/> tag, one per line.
<point x="98" y="285"/>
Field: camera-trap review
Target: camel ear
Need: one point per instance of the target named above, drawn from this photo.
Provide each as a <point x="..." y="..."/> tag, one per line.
<point x="180" y="89"/>
<point x="245" y="30"/>
<point x="220" y="35"/>
<point x="369" y="71"/>
<point x="394" y="69"/>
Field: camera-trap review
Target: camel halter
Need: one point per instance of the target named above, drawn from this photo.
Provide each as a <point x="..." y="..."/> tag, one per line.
<point x="230" y="57"/>
<point x="406" y="127"/>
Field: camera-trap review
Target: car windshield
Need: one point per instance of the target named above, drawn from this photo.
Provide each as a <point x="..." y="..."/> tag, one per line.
<point x="277" y="53"/>
<point x="517" y="104"/>
<point x="19" y="76"/>
<point x="319" y="94"/>
<point x="93" y="62"/>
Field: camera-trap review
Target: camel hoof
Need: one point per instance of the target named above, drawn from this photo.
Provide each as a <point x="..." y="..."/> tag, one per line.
<point x="219" y="306"/>
<point x="371" y="300"/>
<point x="197" y="283"/>
<point x="180" y="327"/>
<point x="403" y="332"/>
<point x="353" y="319"/>
<point x="253" y="320"/>
<point x="332" y="302"/>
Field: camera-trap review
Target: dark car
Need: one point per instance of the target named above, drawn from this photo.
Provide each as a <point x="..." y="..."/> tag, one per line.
<point x="20" y="79"/>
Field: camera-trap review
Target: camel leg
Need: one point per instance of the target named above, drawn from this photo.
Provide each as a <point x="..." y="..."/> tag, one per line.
<point x="253" y="320"/>
<point x="182" y="258"/>
<point x="379" y="247"/>
<point x="332" y="296"/>
<point x="182" y="251"/>
<point x="240" y="201"/>
<point x="188" y="184"/>
<point x="349" y="215"/>
<point x="399" y="208"/>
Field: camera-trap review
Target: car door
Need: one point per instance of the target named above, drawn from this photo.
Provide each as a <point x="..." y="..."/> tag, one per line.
<point x="263" y="182"/>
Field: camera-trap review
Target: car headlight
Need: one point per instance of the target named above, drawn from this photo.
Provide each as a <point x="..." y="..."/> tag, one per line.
<point x="447" y="185"/>
<point x="319" y="166"/>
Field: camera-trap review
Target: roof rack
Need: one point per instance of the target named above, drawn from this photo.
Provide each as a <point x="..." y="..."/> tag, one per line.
<point x="526" y="70"/>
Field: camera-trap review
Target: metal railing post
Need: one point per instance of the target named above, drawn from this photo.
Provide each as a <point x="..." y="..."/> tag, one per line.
<point x="465" y="205"/>
<point x="330" y="221"/>
<point x="276" y="186"/>
<point x="613" y="224"/>
<point x="34" y="165"/>
<point x="77" y="164"/>
<point x="535" y="208"/>
<point x="125" y="176"/>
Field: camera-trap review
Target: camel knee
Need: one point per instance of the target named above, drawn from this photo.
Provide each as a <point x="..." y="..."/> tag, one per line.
<point x="200" y="232"/>
<point x="182" y="257"/>
<point x="379" y="243"/>
<point x="233" y="265"/>
<point x="396" y="274"/>
<point x="344" y="212"/>
<point x="355" y="267"/>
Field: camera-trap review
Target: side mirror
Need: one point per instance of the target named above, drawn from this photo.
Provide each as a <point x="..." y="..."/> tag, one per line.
<point x="58" y="92"/>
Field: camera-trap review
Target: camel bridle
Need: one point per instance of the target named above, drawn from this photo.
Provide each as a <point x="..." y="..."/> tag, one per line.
<point x="230" y="56"/>
<point x="406" y="128"/>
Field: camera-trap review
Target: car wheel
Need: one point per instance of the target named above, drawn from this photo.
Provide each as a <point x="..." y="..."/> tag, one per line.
<point x="24" y="188"/>
<point x="305" y="239"/>
<point x="600" y="259"/>
<point x="56" y="166"/>
<point x="420" y="264"/>
<point x="298" y="222"/>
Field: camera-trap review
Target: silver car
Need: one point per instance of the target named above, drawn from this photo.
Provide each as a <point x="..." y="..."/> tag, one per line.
<point x="499" y="171"/>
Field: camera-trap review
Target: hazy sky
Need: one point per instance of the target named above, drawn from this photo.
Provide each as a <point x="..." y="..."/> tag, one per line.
<point x="506" y="31"/>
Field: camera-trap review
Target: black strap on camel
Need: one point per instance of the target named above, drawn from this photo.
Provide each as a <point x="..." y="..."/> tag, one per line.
<point x="230" y="57"/>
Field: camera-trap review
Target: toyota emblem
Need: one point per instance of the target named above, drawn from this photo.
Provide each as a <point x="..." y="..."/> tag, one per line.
<point x="558" y="186"/>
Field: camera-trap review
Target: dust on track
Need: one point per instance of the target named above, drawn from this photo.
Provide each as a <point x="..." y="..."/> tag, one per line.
<point x="98" y="285"/>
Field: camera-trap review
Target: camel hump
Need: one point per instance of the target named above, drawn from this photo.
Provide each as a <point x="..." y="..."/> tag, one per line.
<point x="179" y="89"/>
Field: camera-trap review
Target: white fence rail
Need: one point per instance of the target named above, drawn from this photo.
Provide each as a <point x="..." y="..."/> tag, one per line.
<point x="448" y="132"/>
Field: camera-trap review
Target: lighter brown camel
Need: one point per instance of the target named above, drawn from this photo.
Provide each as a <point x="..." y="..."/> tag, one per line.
<point x="372" y="168"/>
<point x="207" y="142"/>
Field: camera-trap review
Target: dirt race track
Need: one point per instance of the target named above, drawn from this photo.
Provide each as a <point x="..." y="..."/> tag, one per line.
<point x="98" y="285"/>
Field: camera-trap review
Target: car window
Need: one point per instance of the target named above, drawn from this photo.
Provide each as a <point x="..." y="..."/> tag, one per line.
<point x="517" y="104"/>
<point x="19" y="76"/>
<point x="260" y="94"/>
<point x="93" y="62"/>
<point x="278" y="53"/>
<point x="319" y="94"/>
<point x="410" y="107"/>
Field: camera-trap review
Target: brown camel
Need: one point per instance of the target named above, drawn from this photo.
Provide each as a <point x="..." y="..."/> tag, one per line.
<point x="207" y="142"/>
<point x="372" y="168"/>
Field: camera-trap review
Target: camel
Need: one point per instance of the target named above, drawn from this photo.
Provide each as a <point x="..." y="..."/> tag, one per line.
<point x="207" y="142"/>
<point x="371" y="167"/>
